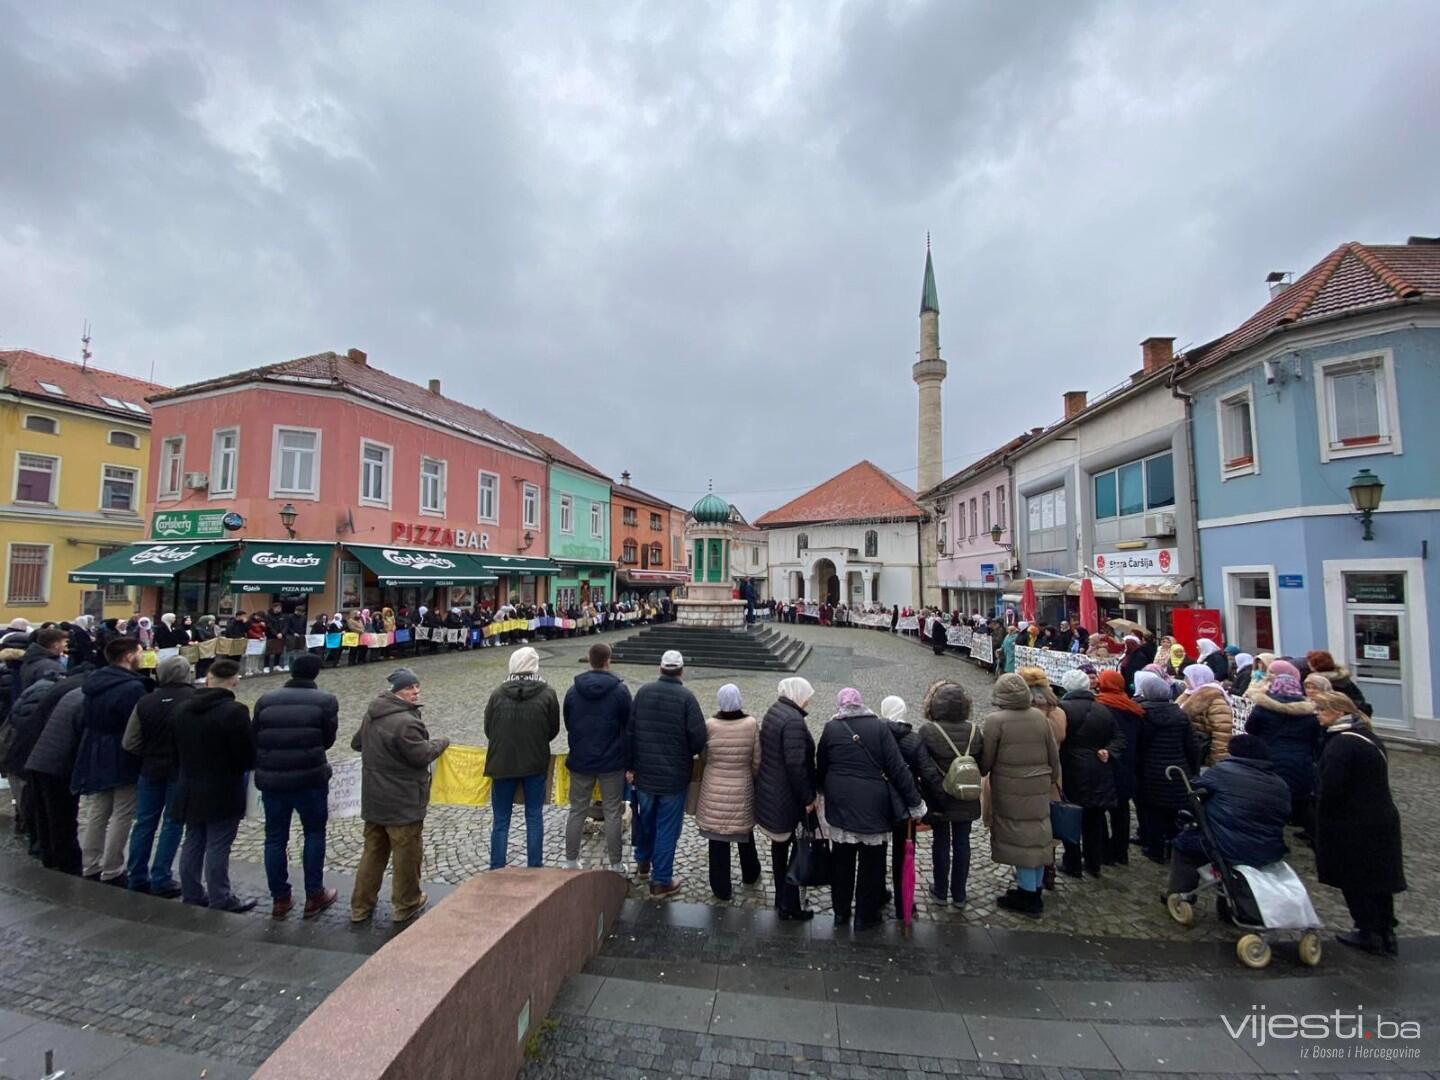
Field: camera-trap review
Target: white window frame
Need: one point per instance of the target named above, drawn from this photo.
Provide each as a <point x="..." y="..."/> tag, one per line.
<point x="1384" y="360"/>
<point x="1233" y="602"/>
<point x="162" y="486"/>
<point x="480" y="515"/>
<point x="432" y="511"/>
<point x="567" y="514"/>
<point x="1222" y="403"/>
<point x="54" y="483"/>
<point x="25" y="423"/>
<point x="110" y="439"/>
<point x="215" y="490"/>
<point x="45" y="578"/>
<point x="597" y="522"/>
<point x="942" y="534"/>
<point x="530" y="500"/>
<point x="276" y="491"/>
<point x="386" y="476"/>
<point x="135" y="503"/>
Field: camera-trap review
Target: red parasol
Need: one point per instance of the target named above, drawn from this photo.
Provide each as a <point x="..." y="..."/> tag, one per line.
<point x="1027" y="601"/>
<point x="1089" y="616"/>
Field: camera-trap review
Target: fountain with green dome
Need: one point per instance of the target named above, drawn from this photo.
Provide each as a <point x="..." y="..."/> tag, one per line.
<point x="709" y="598"/>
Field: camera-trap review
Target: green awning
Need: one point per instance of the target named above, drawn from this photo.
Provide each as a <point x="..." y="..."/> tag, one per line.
<point x="518" y="565"/>
<point x="414" y="566"/>
<point x="270" y="566"/>
<point x="148" y="564"/>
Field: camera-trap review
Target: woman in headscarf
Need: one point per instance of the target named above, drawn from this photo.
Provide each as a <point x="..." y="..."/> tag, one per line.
<point x="725" y="813"/>
<point x="1007" y="649"/>
<point x="1134" y="661"/>
<point x="1244" y="665"/>
<point x="1019" y="754"/>
<point x="1091" y="738"/>
<point x="165" y="637"/>
<point x="868" y="790"/>
<point x="1208" y="708"/>
<point x="1315" y="685"/>
<point x="1284" y="718"/>
<point x="1124" y="766"/>
<point x="923" y="772"/>
<point x="144" y="633"/>
<point x="1165" y="740"/>
<point x="82" y="640"/>
<point x="1043" y="699"/>
<point x="1357" y="827"/>
<point x="1176" y="661"/>
<point x="1321" y="662"/>
<point x="785" y="785"/>
<point x="1213" y="657"/>
<point x="1260" y="674"/>
<point x="948" y="728"/>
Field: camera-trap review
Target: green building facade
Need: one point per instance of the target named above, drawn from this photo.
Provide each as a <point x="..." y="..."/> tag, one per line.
<point x="580" y="537"/>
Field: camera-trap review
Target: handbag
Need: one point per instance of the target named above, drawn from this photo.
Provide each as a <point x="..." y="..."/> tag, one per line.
<point x="962" y="778"/>
<point x="809" y="866"/>
<point x="898" y="810"/>
<point x="1065" y="822"/>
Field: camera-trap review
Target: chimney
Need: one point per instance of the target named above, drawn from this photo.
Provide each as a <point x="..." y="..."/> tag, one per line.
<point x="356" y="356"/>
<point x="1158" y="353"/>
<point x="1278" y="281"/>
<point x="435" y="386"/>
<point x="1423" y="241"/>
<point x="1074" y="402"/>
<point x="625" y="478"/>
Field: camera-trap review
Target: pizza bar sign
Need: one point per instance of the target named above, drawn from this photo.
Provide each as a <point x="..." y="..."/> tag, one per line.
<point x="421" y="535"/>
<point x="1160" y="562"/>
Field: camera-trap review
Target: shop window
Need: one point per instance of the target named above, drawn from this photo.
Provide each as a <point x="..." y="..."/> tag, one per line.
<point x="531" y="505"/>
<point x="36" y="478"/>
<point x="297" y="462"/>
<point x="1237" y="435"/>
<point x="172" y="467"/>
<point x="1357" y="407"/>
<point x="127" y="439"/>
<point x="432" y="486"/>
<point x="489" y="504"/>
<point x="224" y="458"/>
<point x="1046" y="520"/>
<point x="28" y="574"/>
<point x="118" y="488"/>
<point x="567" y="596"/>
<point x="45" y="425"/>
<point x="374" y="473"/>
<point x="567" y="514"/>
<point x="872" y="542"/>
<point x="1135" y="487"/>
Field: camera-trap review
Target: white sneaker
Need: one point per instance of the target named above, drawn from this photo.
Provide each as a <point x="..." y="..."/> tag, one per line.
<point x="572" y="864"/>
<point x="617" y="868"/>
<point x="267" y="671"/>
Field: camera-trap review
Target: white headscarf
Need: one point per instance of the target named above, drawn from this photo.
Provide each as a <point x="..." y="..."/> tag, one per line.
<point x="893" y="708"/>
<point x="728" y="698"/>
<point x="525" y="661"/>
<point x="796" y="690"/>
<point x="1075" y="679"/>
<point x="168" y="618"/>
<point x="1205" y="647"/>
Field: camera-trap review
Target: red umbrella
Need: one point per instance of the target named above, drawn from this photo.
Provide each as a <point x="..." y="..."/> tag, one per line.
<point x="1027" y="601"/>
<point x="907" y="878"/>
<point x="1089" y="616"/>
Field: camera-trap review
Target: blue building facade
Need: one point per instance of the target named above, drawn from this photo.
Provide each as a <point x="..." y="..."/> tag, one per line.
<point x="1339" y="373"/>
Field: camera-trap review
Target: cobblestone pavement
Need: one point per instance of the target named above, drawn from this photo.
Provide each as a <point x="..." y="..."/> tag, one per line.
<point x="1122" y="903"/>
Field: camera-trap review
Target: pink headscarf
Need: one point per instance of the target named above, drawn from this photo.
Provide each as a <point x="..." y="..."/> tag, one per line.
<point x="1198" y="675"/>
<point x="849" y="698"/>
<point x="1284" y="667"/>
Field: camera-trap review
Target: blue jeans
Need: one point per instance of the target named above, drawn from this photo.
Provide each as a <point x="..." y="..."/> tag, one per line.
<point x="951" y="850"/>
<point x="312" y="806"/>
<point x="502" y="805"/>
<point x="656" y="830"/>
<point x="1030" y="878"/>
<point x="142" y="872"/>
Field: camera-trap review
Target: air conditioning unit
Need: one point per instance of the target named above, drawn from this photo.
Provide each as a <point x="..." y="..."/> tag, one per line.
<point x="1158" y="525"/>
<point x="197" y="481"/>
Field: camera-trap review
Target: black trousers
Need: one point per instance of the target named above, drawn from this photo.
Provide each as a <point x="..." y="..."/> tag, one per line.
<point x="858" y="876"/>
<point x="1090" y="852"/>
<point x="1117" y="844"/>
<point x="1374" y="912"/>
<point x="57" y="823"/>
<point x="720" y="867"/>
<point x="1157" y="828"/>
<point x="787" y="896"/>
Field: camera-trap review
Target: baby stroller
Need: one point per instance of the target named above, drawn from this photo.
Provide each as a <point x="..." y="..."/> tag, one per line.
<point x="1257" y="900"/>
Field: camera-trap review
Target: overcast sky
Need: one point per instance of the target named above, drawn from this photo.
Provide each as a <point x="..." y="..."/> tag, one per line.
<point x="688" y="240"/>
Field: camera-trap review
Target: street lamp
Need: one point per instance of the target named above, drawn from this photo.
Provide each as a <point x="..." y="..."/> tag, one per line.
<point x="1365" y="492"/>
<point x="995" y="533"/>
<point x="288" y="514"/>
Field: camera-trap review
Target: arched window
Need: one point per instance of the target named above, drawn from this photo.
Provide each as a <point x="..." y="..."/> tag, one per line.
<point x="802" y="545"/>
<point x="630" y="552"/>
<point x="872" y="543"/>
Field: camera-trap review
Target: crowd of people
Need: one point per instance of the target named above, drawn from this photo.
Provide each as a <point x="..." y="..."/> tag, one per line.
<point x="116" y="772"/>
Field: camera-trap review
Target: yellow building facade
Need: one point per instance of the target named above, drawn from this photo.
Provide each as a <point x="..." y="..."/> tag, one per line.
<point x="74" y="452"/>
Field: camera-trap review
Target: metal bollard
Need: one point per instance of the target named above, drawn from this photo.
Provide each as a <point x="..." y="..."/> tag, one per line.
<point x="50" y="1073"/>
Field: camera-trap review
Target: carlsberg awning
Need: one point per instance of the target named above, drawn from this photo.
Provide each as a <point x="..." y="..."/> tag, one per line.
<point x="518" y="564"/>
<point x="148" y="564"/>
<point x="271" y="566"/>
<point x="394" y="566"/>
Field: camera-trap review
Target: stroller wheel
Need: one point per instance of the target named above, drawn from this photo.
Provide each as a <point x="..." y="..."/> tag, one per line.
<point x="1310" y="950"/>
<point x="1253" y="951"/>
<point x="1181" y="909"/>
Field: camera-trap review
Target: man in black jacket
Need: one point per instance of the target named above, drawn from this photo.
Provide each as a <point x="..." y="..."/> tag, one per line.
<point x="148" y="735"/>
<point x="667" y="730"/>
<point x="43" y="657"/>
<point x="49" y="766"/>
<point x="213" y="742"/>
<point x="293" y="727"/>
<point x="597" y="717"/>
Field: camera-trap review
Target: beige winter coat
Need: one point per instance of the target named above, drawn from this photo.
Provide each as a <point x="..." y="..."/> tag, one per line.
<point x="1209" y="711"/>
<point x="1019" y="755"/>
<point x="727" y="787"/>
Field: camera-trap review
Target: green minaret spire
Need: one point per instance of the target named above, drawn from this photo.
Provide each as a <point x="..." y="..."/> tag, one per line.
<point x="929" y="296"/>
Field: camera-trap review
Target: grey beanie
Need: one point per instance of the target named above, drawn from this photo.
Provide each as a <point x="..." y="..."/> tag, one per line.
<point x="402" y="677"/>
<point x="174" y="671"/>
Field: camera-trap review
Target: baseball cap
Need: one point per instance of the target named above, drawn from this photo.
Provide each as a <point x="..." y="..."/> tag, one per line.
<point x="672" y="660"/>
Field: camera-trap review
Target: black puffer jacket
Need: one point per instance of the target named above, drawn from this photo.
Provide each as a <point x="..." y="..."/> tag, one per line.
<point x="917" y="756"/>
<point x="293" y="727"/>
<point x="597" y="716"/>
<point x="38" y="663"/>
<point x="54" y="752"/>
<point x="1165" y="740"/>
<point x="855" y="756"/>
<point x="1247" y="806"/>
<point x="1089" y="728"/>
<point x="212" y="736"/>
<point x="101" y="762"/>
<point x="149" y="734"/>
<point x="666" y="732"/>
<point x="785" y="784"/>
<point x="948" y="713"/>
<point x="1290" y="731"/>
<point x="27" y="718"/>
<point x="521" y="718"/>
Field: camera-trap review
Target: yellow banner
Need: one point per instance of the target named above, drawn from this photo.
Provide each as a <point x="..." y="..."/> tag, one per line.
<point x="460" y="779"/>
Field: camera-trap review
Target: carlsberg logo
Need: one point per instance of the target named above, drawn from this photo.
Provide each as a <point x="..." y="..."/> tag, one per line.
<point x="276" y="559"/>
<point x="163" y="555"/>
<point x="416" y="560"/>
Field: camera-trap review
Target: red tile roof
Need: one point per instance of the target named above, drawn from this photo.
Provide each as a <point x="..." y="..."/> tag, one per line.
<point x="362" y="379"/>
<point x="863" y="492"/>
<point x="632" y="494"/>
<point x="561" y="453"/>
<point x="1350" y="280"/>
<point x="22" y="372"/>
